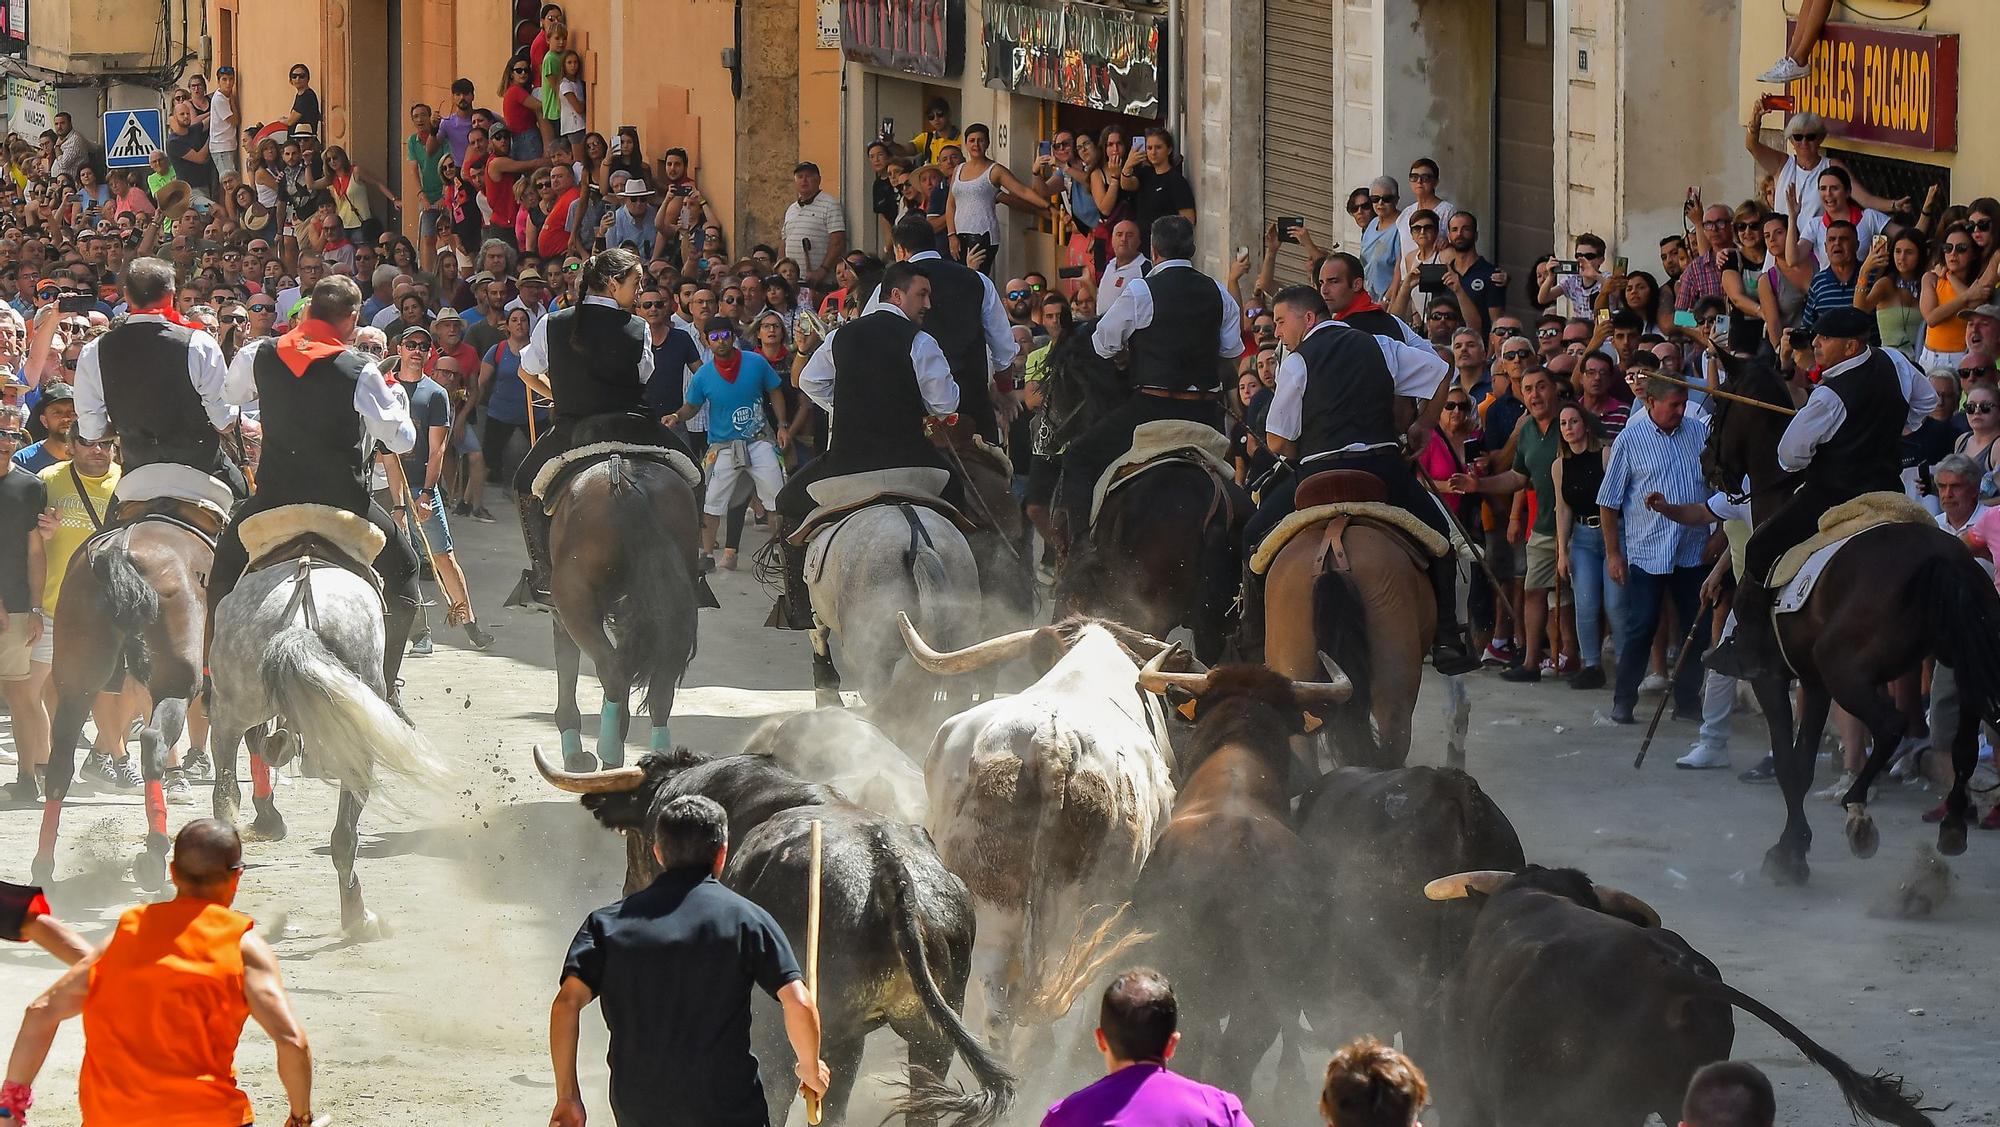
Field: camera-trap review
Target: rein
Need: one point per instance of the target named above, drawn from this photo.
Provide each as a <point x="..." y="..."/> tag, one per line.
<point x="302" y="595"/>
<point x="992" y="521"/>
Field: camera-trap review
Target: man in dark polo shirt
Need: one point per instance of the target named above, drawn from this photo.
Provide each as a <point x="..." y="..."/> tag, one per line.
<point x="673" y="965"/>
<point x="22" y="499"/>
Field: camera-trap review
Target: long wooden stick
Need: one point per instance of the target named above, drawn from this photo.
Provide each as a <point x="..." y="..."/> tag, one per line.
<point x="812" y="952"/>
<point x="1721" y="394"/>
<point x="1700" y="616"/>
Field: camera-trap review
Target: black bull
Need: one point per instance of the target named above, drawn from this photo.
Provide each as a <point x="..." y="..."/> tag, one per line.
<point x="896" y="927"/>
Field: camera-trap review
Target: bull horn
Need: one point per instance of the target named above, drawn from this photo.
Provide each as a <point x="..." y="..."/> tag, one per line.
<point x="1154" y="678"/>
<point x="976" y="656"/>
<point x="1458" y="886"/>
<point x="613" y="781"/>
<point x="1336" y="689"/>
<point x="1619" y="902"/>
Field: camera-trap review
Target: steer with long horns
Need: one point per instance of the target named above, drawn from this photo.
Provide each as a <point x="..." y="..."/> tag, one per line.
<point x="1573" y="1007"/>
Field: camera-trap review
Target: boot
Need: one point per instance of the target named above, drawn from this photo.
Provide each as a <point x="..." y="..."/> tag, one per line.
<point x="533" y="590"/>
<point x="1746" y="653"/>
<point x="1250" y="618"/>
<point x="399" y="617"/>
<point x="1451" y="647"/>
<point x="793" y="610"/>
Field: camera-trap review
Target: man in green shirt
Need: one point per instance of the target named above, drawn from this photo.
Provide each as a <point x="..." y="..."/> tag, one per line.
<point x="1527" y="462"/>
<point x="426" y="148"/>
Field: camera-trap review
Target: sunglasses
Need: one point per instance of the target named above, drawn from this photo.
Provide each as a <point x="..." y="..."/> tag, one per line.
<point x="1974" y="373"/>
<point x="1981" y="224"/>
<point x="374" y="350"/>
<point x="1518" y="354"/>
<point x="1437" y="315"/>
<point x="1461" y="406"/>
<point x="519" y="70"/>
<point x="1016" y="295"/>
<point x="298" y="74"/>
<point x="416" y="344"/>
<point x="651" y="304"/>
<point x="1423" y="177"/>
<point x="1979" y="408"/>
<point x="1381" y="199"/>
<point x="1357" y="207"/>
<point x="1814" y="137"/>
<point x="1423" y="226"/>
<point x="87" y="444"/>
<point x="235" y="319"/>
<point x="723" y="335"/>
<point x="1545" y="334"/>
<point x="16" y="436"/>
<point x="260" y="307"/>
<point x="1958" y="248"/>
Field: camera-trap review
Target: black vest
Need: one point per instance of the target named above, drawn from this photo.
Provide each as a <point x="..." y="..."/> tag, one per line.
<point x="1177" y="350"/>
<point x="151" y="398"/>
<point x="878" y="409"/>
<point x="958" y="300"/>
<point x="315" y="445"/>
<point x="1350" y="394"/>
<point x="1866" y="453"/>
<point x="1379" y="322"/>
<point x="599" y="376"/>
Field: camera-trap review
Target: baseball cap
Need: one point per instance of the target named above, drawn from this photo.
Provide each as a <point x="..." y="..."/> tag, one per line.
<point x="224" y="69"/>
<point x="1844" y="322"/>
<point x="413" y="330"/>
<point x="805" y="166"/>
<point x="1990" y="309"/>
<point x="55" y="392"/>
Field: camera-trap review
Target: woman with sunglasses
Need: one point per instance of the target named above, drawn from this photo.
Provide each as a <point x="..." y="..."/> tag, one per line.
<point x="1798" y="173"/>
<point x="1426" y="249"/>
<point x="1954" y="284"/>
<point x="1743" y="277"/>
<point x="1381" y="238"/>
<point x="1890" y="285"/>
<point x="1982" y="415"/>
<point x="1980" y="217"/>
<point x="521" y="109"/>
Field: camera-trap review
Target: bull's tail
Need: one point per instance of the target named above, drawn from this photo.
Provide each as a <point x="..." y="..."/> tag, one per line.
<point x="1962" y="611"/>
<point x="131" y="602"/>
<point x="929" y="1098"/>
<point x="352" y="733"/>
<point x="1881" y="1096"/>
<point x="1340" y="628"/>
<point x="926" y="571"/>
<point x="657" y="621"/>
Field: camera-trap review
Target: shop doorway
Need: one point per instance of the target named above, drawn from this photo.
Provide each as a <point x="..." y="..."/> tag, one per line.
<point x="1298" y="125"/>
<point x="1524" y="169"/>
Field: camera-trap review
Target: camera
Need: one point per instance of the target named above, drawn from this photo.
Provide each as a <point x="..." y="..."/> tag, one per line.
<point x="75" y="303"/>
<point x="1798" y="339"/>
<point x="1563" y="266"/>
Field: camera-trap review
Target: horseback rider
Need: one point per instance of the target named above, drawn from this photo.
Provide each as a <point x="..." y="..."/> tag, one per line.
<point x="323" y="405"/>
<point x="1845" y="441"/>
<point x="1335" y="408"/>
<point x="593" y="360"/>
<point x="1178" y="330"/>
<point x="966" y="319"/>
<point x="879" y="378"/>
<point x="158" y="382"/>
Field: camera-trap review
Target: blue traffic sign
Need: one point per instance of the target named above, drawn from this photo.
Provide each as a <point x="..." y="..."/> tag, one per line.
<point x="131" y="136"/>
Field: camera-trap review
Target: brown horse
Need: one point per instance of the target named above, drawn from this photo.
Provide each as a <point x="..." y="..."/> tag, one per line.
<point x="133" y="602"/>
<point x="1894" y="596"/>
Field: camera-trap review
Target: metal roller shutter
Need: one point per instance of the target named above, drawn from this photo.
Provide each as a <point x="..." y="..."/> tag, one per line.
<point x="1298" y="125"/>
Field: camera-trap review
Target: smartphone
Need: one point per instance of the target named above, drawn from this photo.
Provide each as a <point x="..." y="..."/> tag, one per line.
<point x="75" y="303"/>
<point x="1620" y="265"/>
<point x="1683" y="319"/>
<point x="1070" y="272"/>
<point x="1288" y="226"/>
<point x="1563" y="266"/>
<point x="1045" y="149"/>
<point x="1604" y="315"/>
<point x="1783" y="103"/>
<point x="889" y="128"/>
<point x="682" y="189"/>
<point x="1430" y="277"/>
<point x="1722" y="326"/>
<point x="1877" y="243"/>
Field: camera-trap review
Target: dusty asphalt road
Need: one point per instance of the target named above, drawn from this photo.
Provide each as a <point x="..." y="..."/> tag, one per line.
<point x="445" y="1021"/>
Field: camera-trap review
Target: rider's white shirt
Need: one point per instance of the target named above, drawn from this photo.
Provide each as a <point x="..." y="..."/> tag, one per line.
<point x="1133" y="310"/>
<point x="934" y="380"/>
<point x="1417" y="372"/>
<point x="1824" y="412"/>
<point x="1000" y="346"/>
<point x="383" y="411"/>
<point x="206" y="371"/>
<point x="535" y="357"/>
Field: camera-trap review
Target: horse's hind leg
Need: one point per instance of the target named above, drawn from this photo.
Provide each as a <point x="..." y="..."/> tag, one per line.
<point x="149" y="869"/>
<point x="1961" y="727"/>
<point x="1785" y="862"/>
<point x="1874" y="708"/>
<point x="225" y="740"/>
<point x="569" y="720"/>
<point x="64" y="731"/>
<point x="356" y="922"/>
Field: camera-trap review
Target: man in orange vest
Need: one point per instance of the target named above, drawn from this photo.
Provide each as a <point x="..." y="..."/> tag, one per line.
<point x="163" y="1004"/>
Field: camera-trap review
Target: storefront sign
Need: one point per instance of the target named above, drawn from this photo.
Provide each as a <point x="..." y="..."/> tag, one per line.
<point x="1890" y="87"/>
<point x="31" y="107"/>
<point x="13" y="27"/>
<point x="1083" y="54"/>
<point x="921" y="37"/>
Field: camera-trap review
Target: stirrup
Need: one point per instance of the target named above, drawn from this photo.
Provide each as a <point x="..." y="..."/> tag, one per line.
<point x="526" y="594"/>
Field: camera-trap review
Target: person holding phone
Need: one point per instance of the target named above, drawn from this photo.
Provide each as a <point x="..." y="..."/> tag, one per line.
<point x="1159" y="186"/>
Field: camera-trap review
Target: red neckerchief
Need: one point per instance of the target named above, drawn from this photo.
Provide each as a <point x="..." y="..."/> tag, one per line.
<point x="730" y="366"/>
<point x="166" y="310"/>
<point x="310" y="340"/>
<point x="1361" y="304"/>
<point x="1853" y="216"/>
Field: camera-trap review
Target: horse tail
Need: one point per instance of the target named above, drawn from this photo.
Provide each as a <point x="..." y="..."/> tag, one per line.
<point x="1340" y="628"/>
<point x="130" y="600"/>
<point x="657" y="623"/>
<point x="1962" y="611"/>
<point x="352" y="730"/>
<point x="1881" y="1096"/>
<point x="928" y="1097"/>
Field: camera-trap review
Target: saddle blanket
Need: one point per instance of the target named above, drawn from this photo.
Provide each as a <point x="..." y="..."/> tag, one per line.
<point x="1374" y="512"/>
<point x="840" y="497"/>
<point x="272" y="529"/>
<point x="1805" y="575"/>
<point x="1152" y="443"/>
<point x="561" y="464"/>
<point x="169" y="480"/>
<point x="1840" y="523"/>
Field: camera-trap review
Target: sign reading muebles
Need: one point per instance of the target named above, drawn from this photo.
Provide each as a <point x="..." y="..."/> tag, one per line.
<point x="1890" y="87"/>
<point x="1082" y="54"/>
<point x="920" y="37"/>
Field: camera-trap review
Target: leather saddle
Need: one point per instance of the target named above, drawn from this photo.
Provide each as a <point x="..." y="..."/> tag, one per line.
<point x="549" y="482"/>
<point x="1336" y="500"/>
<point x="291" y="532"/>
<point x="837" y="498"/>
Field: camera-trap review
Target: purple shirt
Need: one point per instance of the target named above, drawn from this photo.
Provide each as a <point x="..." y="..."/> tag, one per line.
<point x="1147" y="1095"/>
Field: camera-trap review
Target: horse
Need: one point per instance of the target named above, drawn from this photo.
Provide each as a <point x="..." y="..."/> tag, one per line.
<point x="627" y="531"/>
<point x="300" y="640"/>
<point x="1000" y="544"/>
<point x="133" y="602"/>
<point x="1162" y="551"/>
<point x="1893" y="596"/>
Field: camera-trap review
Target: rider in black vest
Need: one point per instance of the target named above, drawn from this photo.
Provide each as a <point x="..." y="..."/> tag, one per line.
<point x="1335" y="408"/>
<point x="879" y="378"/>
<point x="157" y="383"/>
<point x="593" y="359"/>
<point x="1176" y="327"/>
<point x="1845" y="441"/>
<point x="966" y="319"/>
<point x="324" y="407"/>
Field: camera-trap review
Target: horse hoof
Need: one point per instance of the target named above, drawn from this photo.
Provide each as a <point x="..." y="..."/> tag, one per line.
<point x="1862" y="836"/>
<point x="581" y="763"/>
<point x="1783" y="866"/>
<point x="43" y="870"/>
<point x="1951" y="836"/>
<point x="149" y="871"/>
<point x="366" y="930"/>
<point x="268" y="826"/>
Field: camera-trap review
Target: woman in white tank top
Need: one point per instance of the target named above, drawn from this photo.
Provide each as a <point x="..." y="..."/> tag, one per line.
<point x="971" y="214"/>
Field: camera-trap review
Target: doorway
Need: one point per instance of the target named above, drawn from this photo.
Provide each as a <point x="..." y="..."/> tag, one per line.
<point x="1524" y="127"/>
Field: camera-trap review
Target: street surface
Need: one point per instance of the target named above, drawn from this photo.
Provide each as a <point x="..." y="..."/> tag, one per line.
<point x="445" y="1022"/>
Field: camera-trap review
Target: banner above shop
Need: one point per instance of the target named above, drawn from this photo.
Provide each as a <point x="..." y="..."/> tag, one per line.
<point x="921" y="37"/>
<point x="31" y="107"/>
<point x="1890" y="87"/>
<point x="1083" y="54"/>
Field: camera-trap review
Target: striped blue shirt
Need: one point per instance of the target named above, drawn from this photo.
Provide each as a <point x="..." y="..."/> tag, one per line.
<point x="1646" y="459"/>
<point x="1826" y="292"/>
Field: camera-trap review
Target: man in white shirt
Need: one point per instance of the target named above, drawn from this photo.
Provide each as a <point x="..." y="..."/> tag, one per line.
<point x="815" y="227"/>
<point x="1125" y="264"/>
<point x="222" y="118"/>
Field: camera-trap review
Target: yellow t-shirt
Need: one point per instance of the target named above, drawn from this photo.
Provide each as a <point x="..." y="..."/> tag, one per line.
<point x="930" y="146"/>
<point x="73" y="523"/>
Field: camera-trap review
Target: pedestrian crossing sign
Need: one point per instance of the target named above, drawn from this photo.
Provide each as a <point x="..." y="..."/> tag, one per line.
<point x="131" y="136"/>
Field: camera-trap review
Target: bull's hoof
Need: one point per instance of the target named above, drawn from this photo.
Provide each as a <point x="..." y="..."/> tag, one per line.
<point x="43" y="869"/>
<point x="1786" y="866"/>
<point x="1951" y="836"/>
<point x="149" y="871"/>
<point x="1862" y="836"/>
<point x="367" y="929"/>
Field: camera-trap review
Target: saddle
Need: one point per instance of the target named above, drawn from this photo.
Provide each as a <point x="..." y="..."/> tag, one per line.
<point x="1163" y="442"/>
<point x="177" y="494"/>
<point x="321" y="532"/>
<point x="1797" y="571"/>
<point x="1341" y="498"/>
<point x="548" y="483"/>
<point x="837" y="498"/>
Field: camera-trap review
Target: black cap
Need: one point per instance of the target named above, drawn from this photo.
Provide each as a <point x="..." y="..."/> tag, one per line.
<point x="1844" y="322"/>
<point x="54" y="392"/>
<point x="805" y="166"/>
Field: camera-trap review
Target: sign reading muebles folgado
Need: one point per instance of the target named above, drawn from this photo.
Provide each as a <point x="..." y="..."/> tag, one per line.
<point x="1083" y="54"/>
<point x="1892" y="87"/>
<point x="921" y="37"/>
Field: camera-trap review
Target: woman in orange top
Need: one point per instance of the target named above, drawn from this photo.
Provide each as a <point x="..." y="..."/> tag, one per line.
<point x="1954" y="285"/>
<point x="163" y="1005"/>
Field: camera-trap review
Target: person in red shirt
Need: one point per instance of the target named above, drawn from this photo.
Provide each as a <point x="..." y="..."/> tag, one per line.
<point x="552" y="15"/>
<point x="557" y="235"/>
<point x="501" y="170"/>
<point x="521" y="109"/>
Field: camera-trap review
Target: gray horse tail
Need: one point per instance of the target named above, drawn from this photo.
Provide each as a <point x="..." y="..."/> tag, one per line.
<point x="657" y="622"/>
<point x="927" y="571"/>
<point x="352" y="730"/>
<point x="131" y="601"/>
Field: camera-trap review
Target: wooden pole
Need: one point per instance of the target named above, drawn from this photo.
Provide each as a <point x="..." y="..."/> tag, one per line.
<point x="1721" y="394"/>
<point x="1700" y="616"/>
<point x="812" y="952"/>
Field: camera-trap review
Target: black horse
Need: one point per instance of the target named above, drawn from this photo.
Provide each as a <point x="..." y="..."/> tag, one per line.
<point x="1894" y="596"/>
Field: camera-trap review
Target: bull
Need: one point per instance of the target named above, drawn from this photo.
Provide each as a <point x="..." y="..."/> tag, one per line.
<point x="1047" y="803"/>
<point x="836" y="747"/>
<point x="1573" y="1006"/>
<point x="896" y="926"/>
<point x="1225" y="882"/>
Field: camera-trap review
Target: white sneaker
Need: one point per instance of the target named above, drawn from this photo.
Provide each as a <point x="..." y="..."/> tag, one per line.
<point x="7" y="758"/>
<point x="1653" y="683"/>
<point x="1783" y="71"/>
<point x="1703" y="757"/>
<point x="1838" y="789"/>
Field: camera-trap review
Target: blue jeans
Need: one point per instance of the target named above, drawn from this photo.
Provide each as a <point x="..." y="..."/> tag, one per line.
<point x="1644" y="595"/>
<point x="1596" y="596"/>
